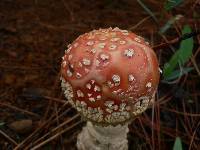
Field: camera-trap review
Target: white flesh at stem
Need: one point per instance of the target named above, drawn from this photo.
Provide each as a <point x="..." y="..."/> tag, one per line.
<point x="94" y="137"/>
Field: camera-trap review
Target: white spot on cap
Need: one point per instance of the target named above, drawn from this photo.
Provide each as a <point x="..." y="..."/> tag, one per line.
<point x="69" y="49"/>
<point x="69" y="57"/>
<point x="101" y="45"/>
<point x="93" y="81"/>
<point x="113" y="34"/>
<point x="83" y="104"/>
<point x="69" y="73"/>
<point x="92" y="99"/>
<point x="131" y="78"/>
<point x="69" y="45"/>
<point x="128" y="108"/>
<point x="114" y="39"/>
<point x="91" y="37"/>
<point x="80" y="93"/>
<point x="78" y="75"/>
<point x="109" y="110"/>
<point x="64" y="63"/>
<point x="86" y="62"/>
<point x="97" y="63"/>
<point x="98" y="97"/>
<point x="144" y="47"/>
<point x="80" y="64"/>
<point x="116" y="29"/>
<point x="137" y="39"/>
<point x="97" y="88"/>
<point x="93" y="50"/>
<point x="129" y="52"/>
<point x="115" y="107"/>
<point x="148" y="85"/>
<point x="112" y="47"/>
<point x="116" y="79"/>
<point x="124" y="32"/>
<point x="122" y="106"/>
<point x="88" y="86"/>
<point x="110" y="84"/>
<point x="108" y="103"/>
<point x="104" y="31"/>
<point x="102" y="38"/>
<point x="104" y="57"/>
<point x="89" y="94"/>
<point x="147" y="43"/>
<point x="75" y="45"/>
<point x="90" y="43"/>
<point x="71" y="65"/>
<point x="122" y="42"/>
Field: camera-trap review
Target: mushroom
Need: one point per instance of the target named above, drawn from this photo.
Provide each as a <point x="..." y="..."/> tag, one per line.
<point x="109" y="76"/>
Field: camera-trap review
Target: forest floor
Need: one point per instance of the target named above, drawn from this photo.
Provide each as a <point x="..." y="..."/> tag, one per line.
<point x="33" y="37"/>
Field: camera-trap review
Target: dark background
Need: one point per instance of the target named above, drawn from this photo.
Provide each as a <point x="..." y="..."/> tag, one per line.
<point x="33" y="37"/>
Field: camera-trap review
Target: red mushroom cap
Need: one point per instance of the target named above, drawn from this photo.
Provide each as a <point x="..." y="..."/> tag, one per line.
<point x="109" y="75"/>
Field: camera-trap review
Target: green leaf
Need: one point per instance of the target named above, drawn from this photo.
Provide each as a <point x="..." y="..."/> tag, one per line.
<point x="170" y="4"/>
<point x="178" y="73"/>
<point x="186" y="46"/>
<point x="181" y="56"/>
<point x="170" y="23"/>
<point x="178" y="144"/>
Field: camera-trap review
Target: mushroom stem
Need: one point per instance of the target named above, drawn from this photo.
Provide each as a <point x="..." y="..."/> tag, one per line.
<point x="94" y="137"/>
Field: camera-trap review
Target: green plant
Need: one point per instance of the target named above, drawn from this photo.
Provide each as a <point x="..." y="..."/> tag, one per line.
<point x="179" y="58"/>
<point x="177" y="144"/>
<point x="170" y="4"/>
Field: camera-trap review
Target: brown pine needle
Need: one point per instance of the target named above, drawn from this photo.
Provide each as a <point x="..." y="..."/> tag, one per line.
<point x="9" y="138"/>
<point x="55" y="99"/>
<point x="56" y="128"/>
<point x="55" y="136"/>
<point x="38" y="130"/>
<point x="19" y="109"/>
<point x="181" y="113"/>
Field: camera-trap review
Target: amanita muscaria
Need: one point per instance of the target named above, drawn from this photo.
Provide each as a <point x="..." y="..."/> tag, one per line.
<point x="109" y="76"/>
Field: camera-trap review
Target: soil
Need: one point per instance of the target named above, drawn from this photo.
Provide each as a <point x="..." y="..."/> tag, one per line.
<point x="33" y="37"/>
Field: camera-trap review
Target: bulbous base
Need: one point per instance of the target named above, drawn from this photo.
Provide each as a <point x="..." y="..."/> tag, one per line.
<point x="94" y="137"/>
